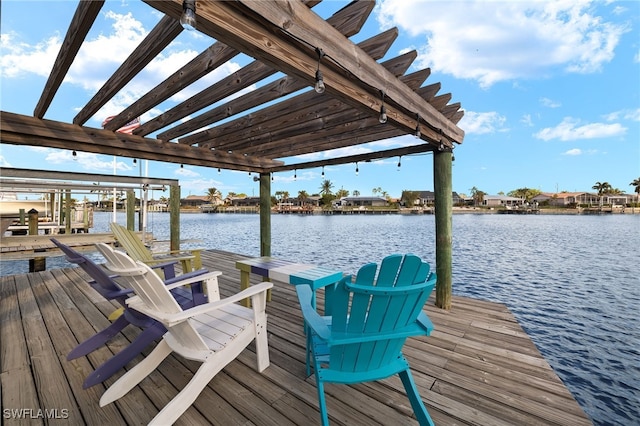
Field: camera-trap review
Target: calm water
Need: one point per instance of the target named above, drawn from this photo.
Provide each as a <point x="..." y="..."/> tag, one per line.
<point x="573" y="282"/>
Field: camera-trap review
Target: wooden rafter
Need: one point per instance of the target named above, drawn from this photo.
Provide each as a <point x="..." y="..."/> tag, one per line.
<point x="291" y="32"/>
<point x="282" y="36"/>
<point x="81" y="23"/>
<point x="164" y="33"/>
<point x="23" y="130"/>
<point x="376" y="46"/>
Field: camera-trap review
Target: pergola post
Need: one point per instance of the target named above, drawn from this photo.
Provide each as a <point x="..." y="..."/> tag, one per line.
<point x="442" y="181"/>
<point x="131" y="210"/>
<point x="67" y="212"/>
<point x="174" y="217"/>
<point x="265" y="214"/>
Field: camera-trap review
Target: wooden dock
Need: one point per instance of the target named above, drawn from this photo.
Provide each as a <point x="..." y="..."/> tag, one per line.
<point x="478" y="367"/>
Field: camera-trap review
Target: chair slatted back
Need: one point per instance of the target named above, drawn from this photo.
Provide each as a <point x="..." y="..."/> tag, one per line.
<point x="375" y="305"/>
<point x="153" y="292"/>
<point x="105" y="285"/>
<point x="131" y="243"/>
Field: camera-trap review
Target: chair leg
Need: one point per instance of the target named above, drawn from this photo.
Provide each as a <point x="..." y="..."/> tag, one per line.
<point x="134" y="376"/>
<point x="424" y="419"/>
<point x="98" y="339"/>
<point x="322" y="404"/>
<point x="185" y="398"/>
<point x="123" y="357"/>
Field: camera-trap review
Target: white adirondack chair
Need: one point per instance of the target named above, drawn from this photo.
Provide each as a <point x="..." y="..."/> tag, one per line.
<point x="213" y="333"/>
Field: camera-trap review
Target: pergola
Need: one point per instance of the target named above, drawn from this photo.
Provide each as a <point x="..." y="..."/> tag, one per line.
<point x="284" y="117"/>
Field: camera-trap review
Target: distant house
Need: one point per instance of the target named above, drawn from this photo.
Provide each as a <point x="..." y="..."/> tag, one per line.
<point x="194" y="201"/>
<point x="565" y="199"/>
<point x="428" y="198"/>
<point x="361" y="202"/>
<point x="501" y="201"/>
<point x="244" y="201"/>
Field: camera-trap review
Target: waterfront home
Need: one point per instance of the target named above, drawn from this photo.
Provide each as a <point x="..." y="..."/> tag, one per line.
<point x="566" y="199"/>
<point x="428" y="198"/>
<point x="361" y="202"/>
<point x="501" y="201"/>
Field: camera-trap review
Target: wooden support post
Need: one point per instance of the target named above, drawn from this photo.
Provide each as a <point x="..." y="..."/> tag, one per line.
<point x="265" y="214"/>
<point x="442" y="181"/>
<point x="174" y="217"/>
<point x="265" y="219"/>
<point x="131" y="210"/>
<point x="23" y="217"/>
<point x="67" y="212"/>
<point x="38" y="263"/>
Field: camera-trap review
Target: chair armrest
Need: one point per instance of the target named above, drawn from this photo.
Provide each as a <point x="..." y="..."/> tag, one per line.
<point x="425" y="323"/>
<point x="194" y="277"/>
<point x="156" y="261"/>
<point x="169" y="319"/>
<point x="185" y="276"/>
<point x="164" y="264"/>
<point x="311" y="317"/>
<point x="119" y="293"/>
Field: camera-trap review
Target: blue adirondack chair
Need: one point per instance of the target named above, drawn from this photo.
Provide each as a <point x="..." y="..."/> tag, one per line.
<point x="366" y="324"/>
<point x="105" y="284"/>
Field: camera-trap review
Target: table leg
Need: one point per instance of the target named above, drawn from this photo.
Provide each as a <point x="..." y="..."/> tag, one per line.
<point x="244" y="284"/>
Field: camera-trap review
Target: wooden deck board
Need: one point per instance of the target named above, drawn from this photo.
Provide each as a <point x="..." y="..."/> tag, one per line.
<point x="479" y="367"/>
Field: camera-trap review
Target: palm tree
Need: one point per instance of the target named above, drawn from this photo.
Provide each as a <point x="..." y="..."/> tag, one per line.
<point x="302" y="197"/>
<point x="213" y="195"/>
<point x="326" y="187"/>
<point x="602" y="188"/>
<point x="636" y="185"/>
<point x="477" y="195"/>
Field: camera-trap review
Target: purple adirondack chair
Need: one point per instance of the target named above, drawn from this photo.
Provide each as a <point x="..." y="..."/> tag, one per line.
<point x="152" y="330"/>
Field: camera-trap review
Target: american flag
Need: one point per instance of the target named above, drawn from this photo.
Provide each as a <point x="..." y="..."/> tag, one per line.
<point x="127" y="128"/>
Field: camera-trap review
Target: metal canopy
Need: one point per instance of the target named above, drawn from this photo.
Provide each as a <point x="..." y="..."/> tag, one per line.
<point x="281" y="118"/>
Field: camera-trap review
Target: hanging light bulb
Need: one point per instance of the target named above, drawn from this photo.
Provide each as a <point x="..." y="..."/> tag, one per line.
<point x="295" y="175"/>
<point x="75" y="155"/>
<point x="399" y="162"/>
<point x="271" y="177"/>
<point x="357" y="168"/>
<point x="218" y="170"/>
<point x="135" y="161"/>
<point x="417" y="133"/>
<point x="188" y="18"/>
<point x="323" y="172"/>
<point x="182" y="166"/>
<point x="319" y="86"/>
<point x="383" y="111"/>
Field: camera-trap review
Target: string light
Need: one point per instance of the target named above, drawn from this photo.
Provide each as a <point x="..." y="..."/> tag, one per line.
<point x="75" y="155"/>
<point x="188" y="18"/>
<point x="135" y="161"/>
<point x="417" y="133"/>
<point x="383" y="111"/>
<point x="399" y="162"/>
<point x="323" y="172"/>
<point x="319" y="86"/>
<point x="295" y="174"/>
<point x="182" y="166"/>
<point x="357" y="168"/>
<point x="218" y="170"/>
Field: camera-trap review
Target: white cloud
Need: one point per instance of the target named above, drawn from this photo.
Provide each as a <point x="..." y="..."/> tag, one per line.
<point x="4" y="162"/>
<point x="526" y="120"/>
<point x="497" y="41"/>
<point x="573" y="152"/>
<point x="571" y="129"/>
<point x="186" y="172"/>
<point x="549" y="103"/>
<point x="482" y="122"/>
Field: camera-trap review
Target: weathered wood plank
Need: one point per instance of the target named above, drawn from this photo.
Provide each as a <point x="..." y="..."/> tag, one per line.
<point x="470" y="371"/>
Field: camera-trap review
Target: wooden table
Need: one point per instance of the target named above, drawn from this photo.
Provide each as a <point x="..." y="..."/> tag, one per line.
<point x="286" y="272"/>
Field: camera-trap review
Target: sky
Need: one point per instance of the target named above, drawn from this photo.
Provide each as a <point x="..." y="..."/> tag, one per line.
<point x="550" y="90"/>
